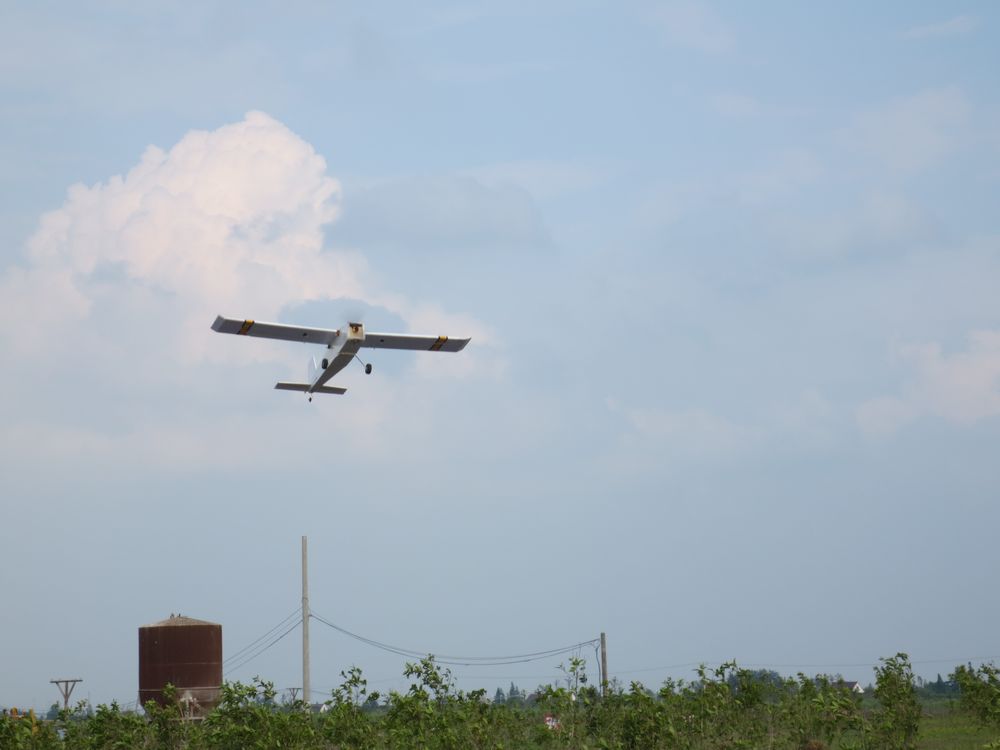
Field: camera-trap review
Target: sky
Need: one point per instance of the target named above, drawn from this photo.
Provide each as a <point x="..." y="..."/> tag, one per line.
<point x="730" y="272"/>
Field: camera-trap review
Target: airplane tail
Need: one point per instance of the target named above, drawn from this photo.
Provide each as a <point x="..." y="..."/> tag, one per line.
<point x="305" y="388"/>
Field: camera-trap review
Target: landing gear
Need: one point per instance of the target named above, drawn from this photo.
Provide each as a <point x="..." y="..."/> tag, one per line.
<point x="368" y="369"/>
<point x="326" y="363"/>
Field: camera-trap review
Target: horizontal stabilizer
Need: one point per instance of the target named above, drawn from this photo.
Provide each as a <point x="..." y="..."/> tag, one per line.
<point x="307" y="388"/>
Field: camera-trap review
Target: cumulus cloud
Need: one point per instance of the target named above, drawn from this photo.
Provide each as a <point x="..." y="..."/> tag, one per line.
<point x="962" y="387"/>
<point x="121" y="283"/>
<point x="225" y="221"/>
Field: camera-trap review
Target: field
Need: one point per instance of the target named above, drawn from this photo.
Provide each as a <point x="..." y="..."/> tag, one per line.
<point x="724" y="709"/>
<point x="950" y="730"/>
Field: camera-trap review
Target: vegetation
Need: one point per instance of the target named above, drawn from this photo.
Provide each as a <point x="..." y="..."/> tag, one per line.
<point x="725" y="708"/>
<point x="980" y="696"/>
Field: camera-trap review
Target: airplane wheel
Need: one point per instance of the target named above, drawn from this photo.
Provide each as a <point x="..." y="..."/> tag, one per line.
<point x="368" y="369"/>
<point x="326" y="363"/>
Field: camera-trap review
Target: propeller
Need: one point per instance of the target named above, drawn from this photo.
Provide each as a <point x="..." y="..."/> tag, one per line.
<point x="355" y="315"/>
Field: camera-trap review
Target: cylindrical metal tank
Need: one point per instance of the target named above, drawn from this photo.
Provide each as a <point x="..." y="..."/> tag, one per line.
<point x="185" y="653"/>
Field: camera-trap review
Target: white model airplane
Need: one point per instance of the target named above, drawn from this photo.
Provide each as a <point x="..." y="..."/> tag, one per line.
<point x="341" y="347"/>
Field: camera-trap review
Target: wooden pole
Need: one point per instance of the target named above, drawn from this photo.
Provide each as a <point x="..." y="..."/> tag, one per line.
<point x="604" y="665"/>
<point x="66" y="689"/>
<point x="305" y="621"/>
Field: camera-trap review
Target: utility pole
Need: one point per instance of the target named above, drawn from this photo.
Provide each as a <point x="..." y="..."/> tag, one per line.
<point x="66" y="688"/>
<point x="305" y="621"/>
<point x="604" y="665"/>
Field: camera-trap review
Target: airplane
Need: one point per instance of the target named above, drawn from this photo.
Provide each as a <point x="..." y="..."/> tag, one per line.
<point x="341" y="347"/>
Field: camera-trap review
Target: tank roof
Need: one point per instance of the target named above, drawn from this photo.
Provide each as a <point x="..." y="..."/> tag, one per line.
<point x="179" y="619"/>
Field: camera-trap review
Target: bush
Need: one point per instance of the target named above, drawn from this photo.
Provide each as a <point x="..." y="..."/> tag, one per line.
<point x="896" y="722"/>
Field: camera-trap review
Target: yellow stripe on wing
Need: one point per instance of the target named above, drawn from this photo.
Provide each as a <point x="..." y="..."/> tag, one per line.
<point x="438" y="344"/>
<point x="247" y="325"/>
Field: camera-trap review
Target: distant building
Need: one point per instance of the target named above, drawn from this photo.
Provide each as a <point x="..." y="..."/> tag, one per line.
<point x="853" y="686"/>
<point x="183" y="652"/>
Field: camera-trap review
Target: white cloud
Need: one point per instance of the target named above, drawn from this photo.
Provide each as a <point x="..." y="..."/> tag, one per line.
<point x="226" y="221"/>
<point x="914" y="132"/>
<point x="962" y="388"/>
<point x="952" y="27"/>
<point x="118" y="287"/>
<point x="693" y="25"/>
<point x="229" y="221"/>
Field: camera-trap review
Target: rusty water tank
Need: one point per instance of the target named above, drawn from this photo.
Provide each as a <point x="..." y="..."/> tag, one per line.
<point x="185" y="653"/>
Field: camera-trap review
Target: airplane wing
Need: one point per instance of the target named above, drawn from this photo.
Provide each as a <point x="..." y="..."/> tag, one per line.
<point x="274" y="331"/>
<point x="415" y="343"/>
<point x="327" y="336"/>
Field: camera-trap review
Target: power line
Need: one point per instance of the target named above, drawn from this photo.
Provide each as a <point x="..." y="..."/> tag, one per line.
<point x="547" y="676"/>
<point x="459" y="661"/>
<point x="249" y="658"/>
<point x="261" y="650"/>
<point x="956" y="661"/>
<point x="237" y="655"/>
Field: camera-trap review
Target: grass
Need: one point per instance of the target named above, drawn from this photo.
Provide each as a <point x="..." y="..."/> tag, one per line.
<point x="952" y="731"/>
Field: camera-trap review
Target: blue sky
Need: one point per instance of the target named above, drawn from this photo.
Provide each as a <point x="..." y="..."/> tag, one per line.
<point x="730" y="273"/>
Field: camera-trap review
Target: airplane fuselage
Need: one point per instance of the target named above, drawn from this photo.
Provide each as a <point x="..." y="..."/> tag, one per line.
<point x="338" y="355"/>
